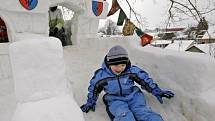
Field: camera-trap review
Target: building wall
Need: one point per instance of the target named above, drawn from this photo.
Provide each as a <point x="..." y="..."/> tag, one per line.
<point x="204" y="41"/>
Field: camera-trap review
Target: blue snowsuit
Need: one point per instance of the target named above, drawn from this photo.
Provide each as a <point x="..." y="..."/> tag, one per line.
<point x="124" y="101"/>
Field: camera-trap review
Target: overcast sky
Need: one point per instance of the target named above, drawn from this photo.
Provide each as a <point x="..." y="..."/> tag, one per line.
<point x="153" y="11"/>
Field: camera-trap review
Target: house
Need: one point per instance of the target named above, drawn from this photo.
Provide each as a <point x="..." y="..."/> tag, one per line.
<point x="208" y="37"/>
<point x="180" y="45"/>
<point x="161" y="43"/>
<point x="202" y="48"/>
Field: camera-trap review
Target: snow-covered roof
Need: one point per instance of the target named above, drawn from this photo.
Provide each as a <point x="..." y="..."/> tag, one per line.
<point x="180" y="45"/>
<point x="206" y="48"/>
<point x="161" y="42"/>
<point x="211" y="32"/>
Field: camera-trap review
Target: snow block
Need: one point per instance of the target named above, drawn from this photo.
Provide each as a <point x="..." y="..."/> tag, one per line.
<point x="40" y="84"/>
<point x="38" y="68"/>
<point x="74" y="5"/>
<point x="60" y="108"/>
<point x="21" y="20"/>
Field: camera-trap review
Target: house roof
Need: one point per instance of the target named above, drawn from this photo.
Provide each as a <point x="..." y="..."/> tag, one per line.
<point x="211" y="32"/>
<point x="161" y="42"/>
<point x="180" y="45"/>
<point x="204" y="47"/>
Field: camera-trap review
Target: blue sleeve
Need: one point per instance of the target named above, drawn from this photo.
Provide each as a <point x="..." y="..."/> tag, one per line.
<point x="93" y="89"/>
<point x="144" y="80"/>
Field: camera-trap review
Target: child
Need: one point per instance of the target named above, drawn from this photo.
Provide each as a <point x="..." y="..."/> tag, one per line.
<point x="124" y="101"/>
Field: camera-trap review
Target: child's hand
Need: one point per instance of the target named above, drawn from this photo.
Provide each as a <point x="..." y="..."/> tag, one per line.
<point x="86" y="107"/>
<point x="90" y="105"/>
<point x="158" y="93"/>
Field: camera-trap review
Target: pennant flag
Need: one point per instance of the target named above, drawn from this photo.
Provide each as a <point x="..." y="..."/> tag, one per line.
<point x="97" y="7"/>
<point x="114" y="8"/>
<point x="128" y="28"/>
<point x="145" y="38"/>
<point x="121" y="18"/>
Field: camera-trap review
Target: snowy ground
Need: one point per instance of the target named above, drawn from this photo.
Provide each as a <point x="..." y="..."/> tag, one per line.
<point x="189" y="75"/>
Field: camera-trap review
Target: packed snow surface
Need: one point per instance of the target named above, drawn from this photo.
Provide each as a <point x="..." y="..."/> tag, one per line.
<point x="189" y="75"/>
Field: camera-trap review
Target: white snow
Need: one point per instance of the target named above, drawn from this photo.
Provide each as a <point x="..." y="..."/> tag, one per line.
<point x="189" y="75"/>
<point x="32" y="62"/>
<point x="160" y="42"/>
<point x="180" y="45"/>
<point x="41" y="87"/>
<point x="60" y="108"/>
<point x="38" y="90"/>
<point x="210" y="32"/>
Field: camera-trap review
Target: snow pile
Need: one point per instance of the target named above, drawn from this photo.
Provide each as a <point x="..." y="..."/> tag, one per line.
<point x="189" y="75"/>
<point x="58" y="108"/>
<point x="40" y="84"/>
<point x="33" y="63"/>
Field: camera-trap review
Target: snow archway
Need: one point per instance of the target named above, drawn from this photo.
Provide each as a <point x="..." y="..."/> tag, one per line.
<point x="8" y="24"/>
<point x="3" y="31"/>
<point x="74" y="5"/>
<point x="84" y="23"/>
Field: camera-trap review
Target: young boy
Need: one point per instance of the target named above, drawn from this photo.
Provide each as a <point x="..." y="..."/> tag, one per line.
<point x="124" y="100"/>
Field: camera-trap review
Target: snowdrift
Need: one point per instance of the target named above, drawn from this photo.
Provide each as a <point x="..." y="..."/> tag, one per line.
<point x="189" y="75"/>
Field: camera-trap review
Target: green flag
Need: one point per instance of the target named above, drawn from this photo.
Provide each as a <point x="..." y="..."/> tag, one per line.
<point x="121" y="18"/>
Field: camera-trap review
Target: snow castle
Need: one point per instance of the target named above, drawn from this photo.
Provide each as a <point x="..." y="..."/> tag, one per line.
<point x="33" y="85"/>
<point x="40" y="96"/>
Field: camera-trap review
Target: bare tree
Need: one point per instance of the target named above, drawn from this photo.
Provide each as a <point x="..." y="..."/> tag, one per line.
<point x="139" y="19"/>
<point x="194" y="9"/>
<point x="110" y="28"/>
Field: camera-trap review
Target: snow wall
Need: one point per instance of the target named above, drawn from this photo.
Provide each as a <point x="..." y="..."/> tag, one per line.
<point x="189" y="75"/>
<point x="22" y="25"/>
<point x="19" y="20"/>
<point x="7" y="96"/>
<point x="41" y="87"/>
<point x="84" y="23"/>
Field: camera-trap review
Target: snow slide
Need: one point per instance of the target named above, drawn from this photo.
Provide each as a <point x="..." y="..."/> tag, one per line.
<point x="189" y="75"/>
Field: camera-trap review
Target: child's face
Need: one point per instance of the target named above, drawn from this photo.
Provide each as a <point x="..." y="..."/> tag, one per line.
<point x="118" y="69"/>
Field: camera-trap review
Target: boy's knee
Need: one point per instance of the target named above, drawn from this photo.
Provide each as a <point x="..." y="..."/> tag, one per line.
<point x="154" y="117"/>
<point x="124" y="116"/>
